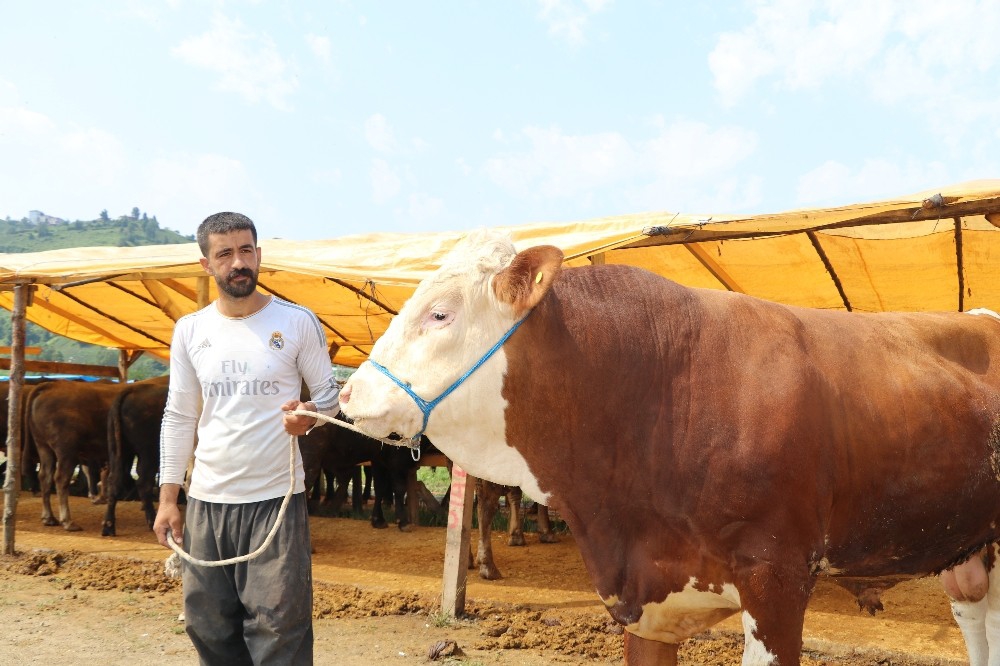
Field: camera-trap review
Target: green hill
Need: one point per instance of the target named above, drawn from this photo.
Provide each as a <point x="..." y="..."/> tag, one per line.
<point x="27" y="236"/>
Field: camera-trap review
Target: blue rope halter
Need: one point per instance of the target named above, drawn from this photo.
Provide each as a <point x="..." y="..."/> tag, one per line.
<point x="425" y="405"/>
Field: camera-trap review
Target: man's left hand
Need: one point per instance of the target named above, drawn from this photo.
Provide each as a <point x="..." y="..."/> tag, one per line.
<point x="295" y="424"/>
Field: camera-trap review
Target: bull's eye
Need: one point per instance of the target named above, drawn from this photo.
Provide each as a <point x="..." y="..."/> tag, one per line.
<point x="438" y="318"/>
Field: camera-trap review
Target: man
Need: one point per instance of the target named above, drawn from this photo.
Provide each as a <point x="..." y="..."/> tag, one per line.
<point x="244" y="357"/>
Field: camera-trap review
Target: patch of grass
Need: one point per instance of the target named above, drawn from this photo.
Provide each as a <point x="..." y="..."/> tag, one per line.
<point x="441" y="619"/>
<point x="437" y="479"/>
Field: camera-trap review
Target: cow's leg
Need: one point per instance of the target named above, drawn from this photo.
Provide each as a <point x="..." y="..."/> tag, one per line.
<point x="489" y="502"/>
<point x="381" y="487"/>
<point x="336" y="493"/>
<point x="97" y="483"/>
<point x="774" y="603"/>
<point x="357" y="501"/>
<point x="399" y="486"/>
<point x="966" y="586"/>
<point x="366" y="494"/>
<point x="114" y="487"/>
<point x="331" y="481"/>
<point x="515" y="526"/>
<point x="63" y="476"/>
<point x="108" y="528"/>
<point x="46" y="468"/>
<point x="644" y="652"/>
<point x="993" y="609"/>
<point x="146" y="486"/>
<point x="545" y="533"/>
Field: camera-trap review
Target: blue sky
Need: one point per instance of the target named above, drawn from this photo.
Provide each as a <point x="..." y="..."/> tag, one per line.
<point x="324" y="119"/>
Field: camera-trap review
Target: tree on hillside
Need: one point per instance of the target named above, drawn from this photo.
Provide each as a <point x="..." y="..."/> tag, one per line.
<point x="104" y="216"/>
<point x="135" y="212"/>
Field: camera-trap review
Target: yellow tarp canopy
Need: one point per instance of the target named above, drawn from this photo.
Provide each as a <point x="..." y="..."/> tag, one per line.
<point x="930" y="251"/>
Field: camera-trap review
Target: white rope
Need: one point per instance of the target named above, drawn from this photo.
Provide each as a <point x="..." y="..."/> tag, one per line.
<point x="350" y="426"/>
<point x="284" y="503"/>
<point x="270" y="536"/>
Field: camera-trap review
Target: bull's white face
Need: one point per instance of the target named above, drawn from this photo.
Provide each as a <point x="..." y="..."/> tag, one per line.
<point x="450" y="322"/>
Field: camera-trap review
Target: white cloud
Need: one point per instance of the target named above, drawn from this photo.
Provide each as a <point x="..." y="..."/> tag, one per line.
<point x="94" y="171"/>
<point x="559" y="165"/>
<point x="385" y="183"/>
<point x="320" y="47"/>
<point x="247" y="63"/>
<point x="915" y="53"/>
<point x="328" y="177"/>
<point x="801" y="43"/>
<point x="192" y="187"/>
<point x="568" y="19"/>
<point x="834" y="183"/>
<point x="76" y="169"/>
<point x="379" y="134"/>
<point x="685" y="164"/>
<point x="423" y="207"/>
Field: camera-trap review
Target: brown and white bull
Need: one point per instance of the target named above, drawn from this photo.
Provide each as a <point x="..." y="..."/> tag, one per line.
<point x="712" y="453"/>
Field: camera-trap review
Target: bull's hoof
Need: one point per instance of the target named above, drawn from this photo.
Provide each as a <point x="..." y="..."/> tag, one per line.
<point x="516" y="540"/>
<point x="548" y="537"/>
<point x="407" y="527"/>
<point x="489" y="572"/>
<point x="379" y="524"/>
<point x="108" y="529"/>
<point x="98" y="500"/>
<point x="49" y="522"/>
<point x="70" y="526"/>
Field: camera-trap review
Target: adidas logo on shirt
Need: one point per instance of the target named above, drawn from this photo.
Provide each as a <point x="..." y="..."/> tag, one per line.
<point x="205" y="344"/>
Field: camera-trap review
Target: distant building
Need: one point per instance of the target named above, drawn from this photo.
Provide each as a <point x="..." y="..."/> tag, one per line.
<point x="38" y="217"/>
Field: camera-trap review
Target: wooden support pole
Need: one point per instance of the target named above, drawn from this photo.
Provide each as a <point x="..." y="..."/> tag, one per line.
<point x="456" y="549"/>
<point x="58" y="367"/>
<point x="202" y="291"/>
<point x="11" y="483"/>
<point x="126" y="357"/>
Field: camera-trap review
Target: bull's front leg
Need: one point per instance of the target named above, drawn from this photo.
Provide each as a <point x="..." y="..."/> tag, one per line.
<point x="63" y="476"/>
<point x="644" y="652"/>
<point x="774" y="600"/>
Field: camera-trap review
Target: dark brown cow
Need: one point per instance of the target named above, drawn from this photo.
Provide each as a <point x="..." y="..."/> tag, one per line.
<point x="66" y="422"/>
<point x="338" y="451"/>
<point x="335" y="453"/>
<point x="133" y="427"/>
<point x="712" y="453"/>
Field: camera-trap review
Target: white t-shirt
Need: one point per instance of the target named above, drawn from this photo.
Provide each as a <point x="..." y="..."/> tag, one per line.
<point x="242" y="370"/>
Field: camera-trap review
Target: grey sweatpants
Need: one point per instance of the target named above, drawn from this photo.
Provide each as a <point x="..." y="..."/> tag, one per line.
<point x="257" y="612"/>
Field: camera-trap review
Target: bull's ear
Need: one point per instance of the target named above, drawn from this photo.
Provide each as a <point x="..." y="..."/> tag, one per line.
<point x="528" y="277"/>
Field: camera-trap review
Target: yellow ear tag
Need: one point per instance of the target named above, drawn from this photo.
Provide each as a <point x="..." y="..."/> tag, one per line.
<point x="538" y="278"/>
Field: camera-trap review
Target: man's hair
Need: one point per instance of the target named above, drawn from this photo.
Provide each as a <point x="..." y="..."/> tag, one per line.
<point x="223" y="223"/>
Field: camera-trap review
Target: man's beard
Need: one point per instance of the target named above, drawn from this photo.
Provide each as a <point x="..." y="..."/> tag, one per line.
<point x="237" y="290"/>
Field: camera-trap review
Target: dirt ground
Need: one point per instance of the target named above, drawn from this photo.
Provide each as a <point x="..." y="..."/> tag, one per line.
<point x="377" y="598"/>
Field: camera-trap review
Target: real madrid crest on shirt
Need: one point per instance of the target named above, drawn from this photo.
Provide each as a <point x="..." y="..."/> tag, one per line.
<point x="277" y="342"/>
